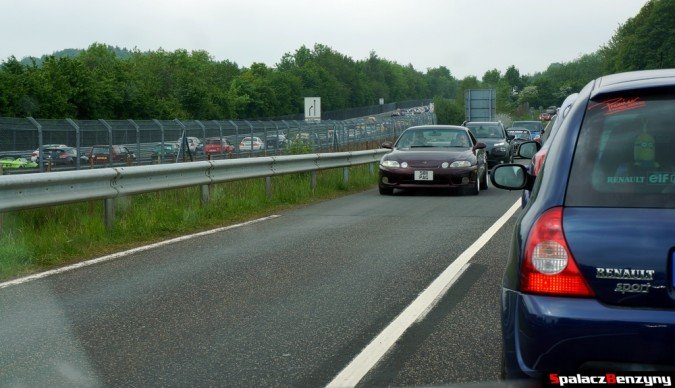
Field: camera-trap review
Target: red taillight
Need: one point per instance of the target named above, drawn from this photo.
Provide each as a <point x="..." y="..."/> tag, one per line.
<point x="539" y="159"/>
<point x="549" y="267"/>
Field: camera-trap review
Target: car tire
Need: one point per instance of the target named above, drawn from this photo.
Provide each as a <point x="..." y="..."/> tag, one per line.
<point x="386" y="190"/>
<point x="484" y="181"/>
<point x="475" y="189"/>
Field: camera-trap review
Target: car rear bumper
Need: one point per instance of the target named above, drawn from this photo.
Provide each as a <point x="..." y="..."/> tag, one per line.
<point x="544" y="334"/>
<point x="404" y="178"/>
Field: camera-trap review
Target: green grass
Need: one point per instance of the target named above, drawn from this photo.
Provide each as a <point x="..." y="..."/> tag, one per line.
<point x="43" y="238"/>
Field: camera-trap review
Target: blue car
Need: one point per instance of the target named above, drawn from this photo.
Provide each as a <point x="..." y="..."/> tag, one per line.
<point x="590" y="279"/>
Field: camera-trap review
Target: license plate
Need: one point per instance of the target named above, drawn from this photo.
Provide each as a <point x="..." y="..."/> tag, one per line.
<point x="424" y="175"/>
<point x="101" y="158"/>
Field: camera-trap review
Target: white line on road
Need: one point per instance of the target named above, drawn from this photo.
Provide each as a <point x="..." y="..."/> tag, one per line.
<point x="129" y="252"/>
<point x="378" y="347"/>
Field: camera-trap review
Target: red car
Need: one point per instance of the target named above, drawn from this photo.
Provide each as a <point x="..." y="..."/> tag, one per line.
<point x="214" y="145"/>
<point x="545" y="117"/>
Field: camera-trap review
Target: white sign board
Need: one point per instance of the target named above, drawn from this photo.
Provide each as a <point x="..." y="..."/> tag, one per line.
<point x="381" y="101"/>
<point x="313" y="108"/>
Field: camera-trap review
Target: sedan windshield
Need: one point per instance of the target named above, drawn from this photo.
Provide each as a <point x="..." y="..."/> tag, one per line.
<point x="430" y="138"/>
<point x="486" y="131"/>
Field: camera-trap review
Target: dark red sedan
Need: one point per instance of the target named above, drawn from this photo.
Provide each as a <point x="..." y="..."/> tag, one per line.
<point x="434" y="156"/>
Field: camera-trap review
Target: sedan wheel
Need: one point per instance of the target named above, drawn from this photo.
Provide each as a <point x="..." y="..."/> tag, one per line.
<point x="386" y="190"/>
<point x="484" y="181"/>
<point x="475" y="189"/>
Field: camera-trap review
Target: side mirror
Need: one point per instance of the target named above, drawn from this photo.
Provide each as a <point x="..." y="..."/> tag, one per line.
<point x="479" y="146"/>
<point x="511" y="177"/>
<point x="510" y="137"/>
<point x="528" y="149"/>
<point x="388" y="145"/>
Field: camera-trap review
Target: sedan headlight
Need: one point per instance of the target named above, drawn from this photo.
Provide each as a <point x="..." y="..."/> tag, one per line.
<point x="460" y="163"/>
<point x="390" y="163"/>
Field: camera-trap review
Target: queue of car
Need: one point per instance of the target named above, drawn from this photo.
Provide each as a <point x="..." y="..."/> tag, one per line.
<point x="590" y="279"/>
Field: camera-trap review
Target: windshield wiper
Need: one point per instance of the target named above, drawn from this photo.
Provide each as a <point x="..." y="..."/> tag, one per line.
<point x="421" y="146"/>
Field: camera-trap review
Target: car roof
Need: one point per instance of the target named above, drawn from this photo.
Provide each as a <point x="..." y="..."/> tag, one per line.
<point x="633" y="80"/>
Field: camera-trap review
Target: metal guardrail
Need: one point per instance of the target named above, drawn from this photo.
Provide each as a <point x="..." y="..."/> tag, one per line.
<point x="27" y="191"/>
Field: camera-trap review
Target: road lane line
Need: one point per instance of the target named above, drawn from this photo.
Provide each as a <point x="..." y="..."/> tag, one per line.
<point x="129" y="252"/>
<point x="378" y="347"/>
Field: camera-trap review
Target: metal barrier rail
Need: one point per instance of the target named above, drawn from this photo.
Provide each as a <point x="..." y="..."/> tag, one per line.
<point x="19" y="192"/>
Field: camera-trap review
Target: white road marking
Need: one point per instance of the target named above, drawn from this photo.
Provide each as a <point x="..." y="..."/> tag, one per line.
<point x="378" y="347"/>
<point x="128" y="252"/>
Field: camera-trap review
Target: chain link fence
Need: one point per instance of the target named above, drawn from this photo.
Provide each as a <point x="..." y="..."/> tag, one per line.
<point x="32" y="145"/>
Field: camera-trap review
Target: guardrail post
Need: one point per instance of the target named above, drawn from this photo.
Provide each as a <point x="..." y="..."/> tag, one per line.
<point x="109" y="216"/>
<point x="312" y="180"/>
<point x="345" y="175"/>
<point x="268" y="187"/>
<point x="206" y="193"/>
<point x="371" y="168"/>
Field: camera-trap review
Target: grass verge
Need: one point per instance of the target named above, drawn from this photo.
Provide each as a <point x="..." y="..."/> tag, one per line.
<point x="39" y="239"/>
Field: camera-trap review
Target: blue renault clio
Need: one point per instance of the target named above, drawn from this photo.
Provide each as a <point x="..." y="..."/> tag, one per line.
<point x="590" y="279"/>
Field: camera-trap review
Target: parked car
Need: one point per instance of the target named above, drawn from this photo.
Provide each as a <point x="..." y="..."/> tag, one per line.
<point x="11" y="163"/>
<point x="36" y="154"/>
<point x="434" y="156"/>
<point x="589" y="283"/>
<point x="194" y="144"/>
<point x="216" y="145"/>
<point x="248" y="145"/>
<point x="168" y="152"/>
<point x="62" y="156"/>
<point x="274" y="141"/>
<point x="101" y="154"/>
<point x="498" y="142"/>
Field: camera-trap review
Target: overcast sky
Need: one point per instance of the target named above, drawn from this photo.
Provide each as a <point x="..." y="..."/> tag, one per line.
<point x="467" y="36"/>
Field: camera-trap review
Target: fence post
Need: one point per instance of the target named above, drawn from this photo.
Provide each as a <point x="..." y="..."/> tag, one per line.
<point x="236" y="138"/>
<point x="40" y="143"/>
<point x="138" y="140"/>
<point x="264" y="139"/>
<point x="110" y="141"/>
<point x="184" y="142"/>
<point x="220" y="135"/>
<point x="109" y="216"/>
<point x="77" y="142"/>
<point x="250" y="152"/>
<point x="160" y="154"/>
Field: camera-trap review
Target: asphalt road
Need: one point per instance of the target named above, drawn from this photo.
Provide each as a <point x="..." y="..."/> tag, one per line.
<point x="284" y="302"/>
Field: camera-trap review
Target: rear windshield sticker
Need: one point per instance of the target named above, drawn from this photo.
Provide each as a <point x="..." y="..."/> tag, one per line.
<point x="620" y="104"/>
<point x="657" y="178"/>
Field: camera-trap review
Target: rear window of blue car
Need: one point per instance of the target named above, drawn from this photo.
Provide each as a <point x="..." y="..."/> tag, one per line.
<point x="625" y="153"/>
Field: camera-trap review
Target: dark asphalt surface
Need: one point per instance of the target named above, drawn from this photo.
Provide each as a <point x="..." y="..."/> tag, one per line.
<point x="284" y="302"/>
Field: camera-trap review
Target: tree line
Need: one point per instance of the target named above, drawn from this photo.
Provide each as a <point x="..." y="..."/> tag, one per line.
<point x="107" y="82"/>
<point x="100" y="83"/>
